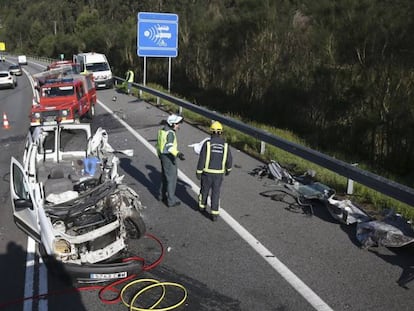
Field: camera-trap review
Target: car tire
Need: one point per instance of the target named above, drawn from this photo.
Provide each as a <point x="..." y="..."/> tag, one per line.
<point x="91" y="112"/>
<point x="135" y="225"/>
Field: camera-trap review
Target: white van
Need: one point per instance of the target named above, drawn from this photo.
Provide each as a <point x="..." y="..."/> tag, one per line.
<point x="21" y="59"/>
<point x="98" y="65"/>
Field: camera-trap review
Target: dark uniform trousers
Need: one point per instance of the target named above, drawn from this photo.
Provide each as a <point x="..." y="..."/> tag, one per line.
<point x="213" y="182"/>
<point x="169" y="178"/>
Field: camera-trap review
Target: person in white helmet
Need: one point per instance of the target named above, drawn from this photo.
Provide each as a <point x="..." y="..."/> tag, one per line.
<point x="167" y="149"/>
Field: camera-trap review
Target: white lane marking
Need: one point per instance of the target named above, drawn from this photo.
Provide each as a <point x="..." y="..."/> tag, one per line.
<point x="276" y="264"/>
<point x="43" y="285"/>
<point x="30" y="263"/>
<point x="29" y="276"/>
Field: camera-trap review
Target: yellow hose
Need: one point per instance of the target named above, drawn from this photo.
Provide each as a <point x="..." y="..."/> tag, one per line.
<point x="155" y="283"/>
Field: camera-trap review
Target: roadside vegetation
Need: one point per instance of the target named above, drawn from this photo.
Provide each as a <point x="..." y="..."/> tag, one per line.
<point x="373" y="202"/>
<point x="337" y="74"/>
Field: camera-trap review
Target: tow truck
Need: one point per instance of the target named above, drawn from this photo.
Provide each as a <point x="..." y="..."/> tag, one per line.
<point x="63" y="97"/>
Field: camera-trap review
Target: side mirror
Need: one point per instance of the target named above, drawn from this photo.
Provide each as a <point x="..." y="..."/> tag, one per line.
<point x="23" y="204"/>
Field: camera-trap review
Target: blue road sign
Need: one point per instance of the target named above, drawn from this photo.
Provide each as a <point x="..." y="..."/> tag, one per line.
<point x="157" y="34"/>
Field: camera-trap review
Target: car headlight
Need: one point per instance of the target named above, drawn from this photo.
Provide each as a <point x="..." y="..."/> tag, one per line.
<point x="61" y="246"/>
<point x="37" y="115"/>
<point x="64" y="113"/>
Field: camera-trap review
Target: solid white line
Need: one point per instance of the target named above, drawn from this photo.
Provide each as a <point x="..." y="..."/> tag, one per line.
<point x="276" y="264"/>
<point x="43" y="285"/>
<point x="29" y="276"/>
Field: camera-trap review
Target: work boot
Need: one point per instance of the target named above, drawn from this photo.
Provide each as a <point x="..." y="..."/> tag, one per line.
<point x="176" y="203"/>
<point x="214" y="217"/>
<point x="163" y="199"/>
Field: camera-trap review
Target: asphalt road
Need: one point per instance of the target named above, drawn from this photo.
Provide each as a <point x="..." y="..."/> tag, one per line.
<point x="258" y="256"/>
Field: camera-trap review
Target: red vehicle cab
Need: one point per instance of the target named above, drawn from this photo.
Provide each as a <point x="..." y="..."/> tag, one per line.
<point x="64" y="100"/>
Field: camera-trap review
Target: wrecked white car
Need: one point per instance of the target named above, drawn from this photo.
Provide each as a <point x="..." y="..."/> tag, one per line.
<point x="67" y="195"/>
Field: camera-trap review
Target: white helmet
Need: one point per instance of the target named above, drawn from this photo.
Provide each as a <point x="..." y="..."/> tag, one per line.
<point x="174" y="119"/>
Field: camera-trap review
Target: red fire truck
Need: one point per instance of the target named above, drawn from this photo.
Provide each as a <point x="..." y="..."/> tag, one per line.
<point x="65" y="99"/>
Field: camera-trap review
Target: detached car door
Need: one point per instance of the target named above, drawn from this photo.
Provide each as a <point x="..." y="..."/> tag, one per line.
<point x="24" y="207"/>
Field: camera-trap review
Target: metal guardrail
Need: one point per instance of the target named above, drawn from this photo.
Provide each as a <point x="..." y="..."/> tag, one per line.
<point x="383" y="185"/>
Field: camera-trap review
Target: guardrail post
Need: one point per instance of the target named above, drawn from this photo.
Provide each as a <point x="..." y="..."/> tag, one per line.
<point x="262" y="147"/>
<point x="350" y="183"/>
<point x="158" y="101"/>
<point x="180" y="110"/>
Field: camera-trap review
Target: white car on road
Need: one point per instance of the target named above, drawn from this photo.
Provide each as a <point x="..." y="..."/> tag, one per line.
<point x="7" y="80"/>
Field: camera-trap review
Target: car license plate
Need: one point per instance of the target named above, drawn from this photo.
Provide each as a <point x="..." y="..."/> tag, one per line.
<point x="118" y="275"/>
<point x="49" y="122"/>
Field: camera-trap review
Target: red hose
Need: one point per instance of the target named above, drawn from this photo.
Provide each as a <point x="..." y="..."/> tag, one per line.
<point x="102" y="289"/>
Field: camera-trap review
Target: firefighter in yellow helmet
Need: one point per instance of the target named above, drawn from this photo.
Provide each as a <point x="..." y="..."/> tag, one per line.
<point x="215" y="160"/>
<point x="167" y="149"/>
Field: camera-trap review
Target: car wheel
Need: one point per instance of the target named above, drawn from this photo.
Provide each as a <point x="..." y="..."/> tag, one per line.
<point x="91" y="113"/>
<point x="135" y="226"/>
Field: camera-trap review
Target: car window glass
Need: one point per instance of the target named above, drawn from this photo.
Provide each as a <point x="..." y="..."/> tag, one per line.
<point x="88" y="83"/>
<point x="19" y="183"/>
<point x="73" y="140"/>
<point x="48" y="143"/>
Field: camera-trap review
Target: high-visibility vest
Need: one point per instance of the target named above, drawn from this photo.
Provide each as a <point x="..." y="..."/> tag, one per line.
<point x="207" y="168"/>
<point x="164" y="147"/>
<point x="130" y="76"/>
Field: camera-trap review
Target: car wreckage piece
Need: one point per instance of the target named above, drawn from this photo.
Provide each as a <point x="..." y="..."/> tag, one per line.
<point x="67" y="195"/>
<point x="346" y="212"/>
<point x="392" y="231"/>
<point x="303" y="188"/>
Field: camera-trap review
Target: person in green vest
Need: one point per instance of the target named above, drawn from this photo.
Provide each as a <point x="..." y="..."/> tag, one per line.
<point x="129" y="79"/>
<point x="167" y="150"/>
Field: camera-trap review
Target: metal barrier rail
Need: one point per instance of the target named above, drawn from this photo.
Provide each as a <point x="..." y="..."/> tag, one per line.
<point x="383" y="185"/>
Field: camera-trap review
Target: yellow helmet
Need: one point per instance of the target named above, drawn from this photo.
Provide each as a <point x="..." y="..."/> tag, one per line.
<point x="216" y="127"/>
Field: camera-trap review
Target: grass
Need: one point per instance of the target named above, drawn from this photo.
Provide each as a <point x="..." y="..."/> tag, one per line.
<point x="372" y="201"/>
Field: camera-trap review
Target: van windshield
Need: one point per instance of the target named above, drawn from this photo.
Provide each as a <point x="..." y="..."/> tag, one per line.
<point x="97" y="67"/>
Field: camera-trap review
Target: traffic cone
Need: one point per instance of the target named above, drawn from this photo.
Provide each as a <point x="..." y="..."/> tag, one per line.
<point x="5" y="121"/>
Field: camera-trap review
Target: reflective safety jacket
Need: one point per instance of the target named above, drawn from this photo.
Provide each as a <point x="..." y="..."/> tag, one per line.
<point x="167" y="142"/>
<point x="129" y="76"/>
<point x="215" y="157"/>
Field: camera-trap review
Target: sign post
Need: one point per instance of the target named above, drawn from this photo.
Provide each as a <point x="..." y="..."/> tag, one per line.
<point x="157" y="36"/>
